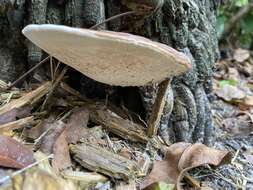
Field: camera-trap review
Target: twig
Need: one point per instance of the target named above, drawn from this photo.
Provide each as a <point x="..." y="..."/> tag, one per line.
<point x="155" y="117"/>
<point x="237" y="17"/>
<point x="235" y="157"/>
<point x="57" y="81"/>
<point x="6" y="178"/>
<point x="27" y="73"/>
<point x="112" y="18"/>
<point x="56" y="68"/>
<point x="51" y="68"/>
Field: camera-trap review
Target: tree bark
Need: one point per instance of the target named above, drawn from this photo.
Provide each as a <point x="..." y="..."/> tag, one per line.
<point x="188" y="26"/>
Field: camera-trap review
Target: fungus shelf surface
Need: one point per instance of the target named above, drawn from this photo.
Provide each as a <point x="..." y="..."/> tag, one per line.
<point x="113" y="58"/>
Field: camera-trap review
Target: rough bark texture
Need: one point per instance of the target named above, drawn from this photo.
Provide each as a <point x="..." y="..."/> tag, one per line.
<point x="187" y="25"/>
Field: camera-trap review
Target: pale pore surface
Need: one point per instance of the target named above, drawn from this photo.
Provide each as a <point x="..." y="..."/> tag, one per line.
<point x="109" y="57"/>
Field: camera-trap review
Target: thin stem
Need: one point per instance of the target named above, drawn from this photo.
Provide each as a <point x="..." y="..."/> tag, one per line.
<point x="112" y="18"/>
<point x="27" y="73"/>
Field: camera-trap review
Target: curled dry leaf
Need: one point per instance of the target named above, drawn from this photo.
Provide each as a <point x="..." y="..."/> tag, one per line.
<point x="181" y="157"/>
<point x="166" y="170"/>
<point x="199" y="154"/>
<point x="13" y="154"/>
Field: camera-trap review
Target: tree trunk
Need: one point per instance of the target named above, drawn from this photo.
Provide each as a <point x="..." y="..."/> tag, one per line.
<point x="186" y="25"/>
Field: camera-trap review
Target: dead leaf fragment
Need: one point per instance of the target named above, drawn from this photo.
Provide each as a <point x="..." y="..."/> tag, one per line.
<point x="54" y="131"/>
<point x="160" y="186"/>
<point x="199" y="154"/>
<point x="40" y="179"/>
<point x="61" y="158"/>
<point x="166" y="170"/>
<point x="14" y="114"/>
<point x="229" y="93"/>
<point x="76" y="127"/>
<point x="13" y="154"/>
<point x="130" y="186"/>
<point x="182" y="157"/>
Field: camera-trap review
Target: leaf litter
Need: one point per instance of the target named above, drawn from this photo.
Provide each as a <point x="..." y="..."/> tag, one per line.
<point x="83" y="125"/>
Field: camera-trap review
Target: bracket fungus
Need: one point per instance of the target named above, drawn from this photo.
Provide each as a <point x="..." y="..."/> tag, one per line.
<point x="112" y="58"/>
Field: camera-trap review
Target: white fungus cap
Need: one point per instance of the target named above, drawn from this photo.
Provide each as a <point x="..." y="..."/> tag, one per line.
<point x="113" y="58"/>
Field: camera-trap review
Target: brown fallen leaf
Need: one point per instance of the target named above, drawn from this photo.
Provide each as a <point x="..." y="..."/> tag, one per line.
<point x="199" y="154"/>
<point x="182" y="157"/>
<point x="166" y="170"/>
<point x="13" y="154"/>
<point x="38" y="130"/>
<point x="62" y="134"/>
<point x="54" y="131"/>
<point x="14" y="114"/>
<point x="76" y="127"/>
<point x="61" y="158"/>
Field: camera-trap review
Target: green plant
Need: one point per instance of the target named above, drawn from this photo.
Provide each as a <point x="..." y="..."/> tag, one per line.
<point x="235" y="20"/>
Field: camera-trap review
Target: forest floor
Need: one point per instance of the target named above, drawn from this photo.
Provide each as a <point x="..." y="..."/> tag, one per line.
<point x="67" y="128"/>
<point x="233" y="118"/>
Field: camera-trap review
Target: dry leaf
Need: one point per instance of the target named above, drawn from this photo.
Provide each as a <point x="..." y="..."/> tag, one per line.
<point x="61" y="134"/>
<point x="130" y="186"/>
<point x="199" y="154"/>
<point x="41" y="177"/>
<point x="181" y="157"/>
<point x="61" y="158"/>
<point x="14" y="114"/>
<point x="76" y="128"/>
<point x="166" y="170"/>
<point x="241" y="55"/>
<point x="55" y="130"/>
<point x="229" y="93"/>
<point x="160" y="186"/>
<point x="13" y="154"/>
<point x="48" y="181"/>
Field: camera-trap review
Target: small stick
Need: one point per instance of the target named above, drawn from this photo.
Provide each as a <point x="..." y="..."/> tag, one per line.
<point x="6" y="178"/>
<point x="112" y="18"/>
<point x="56" y="68"/>
<point x="155" y="117"/>
<point x="57" y="81"/>
<point x="51" y="68"/>
<point x="27" y="73"/>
